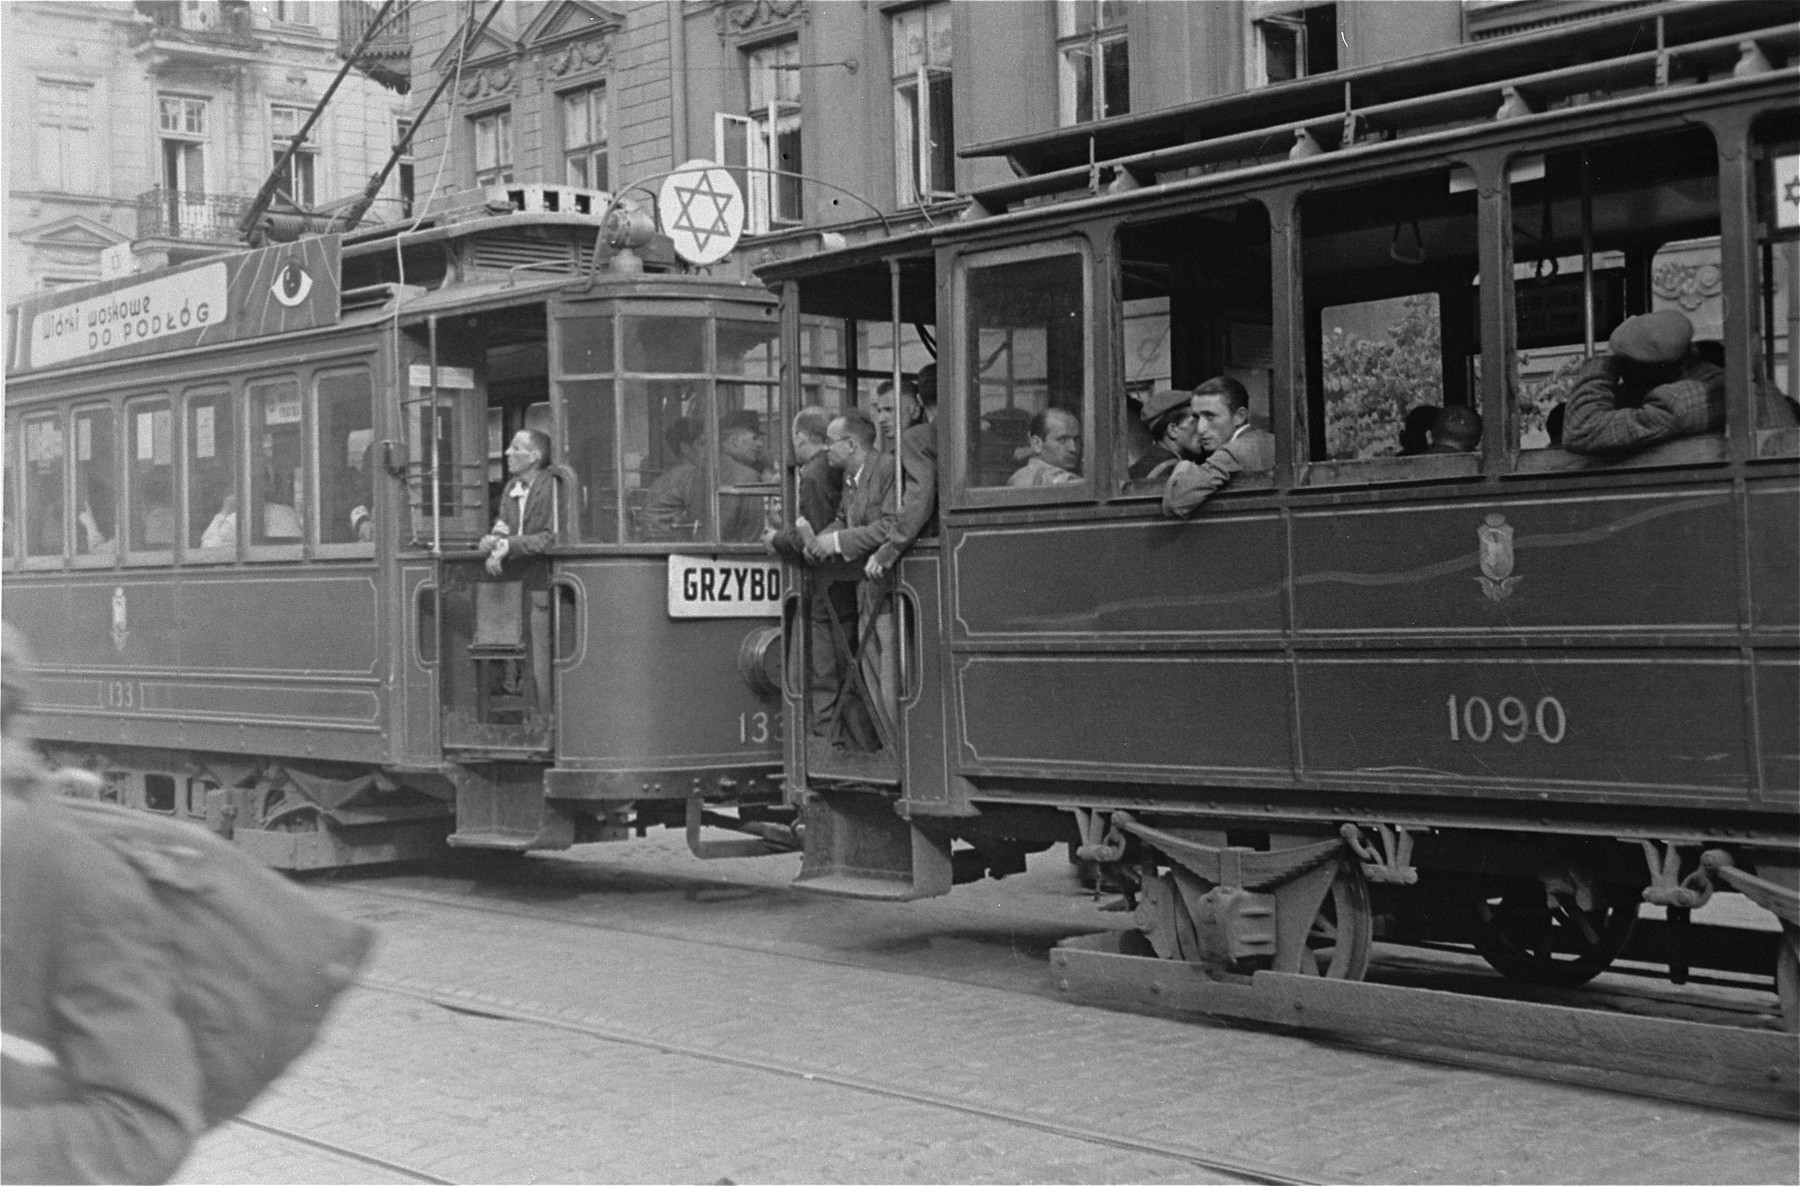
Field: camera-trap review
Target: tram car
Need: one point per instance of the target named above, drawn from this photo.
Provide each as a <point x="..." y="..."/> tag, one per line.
<point x="243" y="508"/>
<point x="1502" y="692"/>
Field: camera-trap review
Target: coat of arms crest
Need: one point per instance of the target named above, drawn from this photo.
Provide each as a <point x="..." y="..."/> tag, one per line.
<point x="1495" y="540"/>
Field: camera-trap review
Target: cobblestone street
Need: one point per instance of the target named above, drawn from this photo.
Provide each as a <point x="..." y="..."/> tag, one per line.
<point x="629" y="1014"/>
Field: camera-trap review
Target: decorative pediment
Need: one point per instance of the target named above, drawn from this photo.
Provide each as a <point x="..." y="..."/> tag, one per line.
<point x="570" y="20"/>
<point x="741" y="18"/>
<point x="489" y="49"/>
<point x="74" y="233"/>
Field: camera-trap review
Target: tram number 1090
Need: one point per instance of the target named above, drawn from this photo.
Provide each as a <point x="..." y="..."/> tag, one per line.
<point x="1472" y="718"/>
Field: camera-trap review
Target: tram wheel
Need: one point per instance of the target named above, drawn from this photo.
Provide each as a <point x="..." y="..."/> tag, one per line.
<point x="1337" y="946"/>
<point x="1525" y="938"/>
<point x="1787" y="978"/>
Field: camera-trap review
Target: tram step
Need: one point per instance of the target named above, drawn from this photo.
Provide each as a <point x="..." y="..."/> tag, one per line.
<point x="1091" y="969"/>
<point x="856" y="847"/>
<point x="503" y="841"/>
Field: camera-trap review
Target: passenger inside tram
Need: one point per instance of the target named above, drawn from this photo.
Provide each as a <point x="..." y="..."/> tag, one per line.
<point x="1170" y="418"/>
<point x="894" y="414"/>
<point x="743" y="461"/>
<point x="1233" y="445"/>
<point x="1415" y="430"/>
<point x="675" y="507"/>
<point x="1055" y="448"/>
<point x="1455" y="429"/>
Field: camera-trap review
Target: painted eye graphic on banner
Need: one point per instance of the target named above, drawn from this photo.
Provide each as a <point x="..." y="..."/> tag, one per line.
<point x="292" y="285"/>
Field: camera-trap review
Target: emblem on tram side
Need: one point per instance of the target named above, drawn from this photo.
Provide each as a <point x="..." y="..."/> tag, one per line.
<point x="119" y="633"/>
<point x="1495" y="540"/>
<point x="292" y="285"/>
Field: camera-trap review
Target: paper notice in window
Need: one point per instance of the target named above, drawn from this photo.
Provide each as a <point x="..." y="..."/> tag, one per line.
<point x="84" y="439"/>
<point x="146" y="435"/>
<point x="203" y="433"/>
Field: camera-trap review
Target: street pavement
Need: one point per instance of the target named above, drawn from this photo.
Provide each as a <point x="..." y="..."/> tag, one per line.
<point x="700" y="1022"/>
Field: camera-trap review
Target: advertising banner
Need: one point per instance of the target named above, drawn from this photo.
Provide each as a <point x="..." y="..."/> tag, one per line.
<point x="273" y="290"/>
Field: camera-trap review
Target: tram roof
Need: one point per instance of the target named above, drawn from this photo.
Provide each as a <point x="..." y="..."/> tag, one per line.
<point x="855" y="281"/>
<point x="1326" y="95"/>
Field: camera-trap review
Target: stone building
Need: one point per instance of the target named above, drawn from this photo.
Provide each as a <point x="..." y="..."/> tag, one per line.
<point x="147" y="127"/>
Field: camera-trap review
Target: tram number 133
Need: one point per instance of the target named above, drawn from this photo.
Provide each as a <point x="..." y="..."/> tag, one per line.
<point x="756" y="728"/>
<point x="1472" y="718"/>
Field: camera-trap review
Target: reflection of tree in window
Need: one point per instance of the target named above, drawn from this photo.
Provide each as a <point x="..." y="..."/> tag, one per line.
<point x="1381" y="359"/>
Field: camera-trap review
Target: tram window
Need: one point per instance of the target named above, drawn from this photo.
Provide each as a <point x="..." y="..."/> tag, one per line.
<point x="1646" y="211"/>
<point x="1028" y="418"/>
<point x="1391" y="276"/>
<point x="587" y="345"/>
<point x="824" y="380"/>
<point x="875" y="352"/>
<point x="749" y="497"/>
<point x="346" y="458"/>
<point x="277" y="491"/>
<point x="588" y="405"/>
<point x="1197" y="304"/>
<point x="211" y="474"/>
<point x="663" y="345"/>
<point x="96" y="496"/>
<point x="1775" y="137"/>
<point x="150" y="476"/>
<point x="44" y="497"/>
<point x="667" y="470"/>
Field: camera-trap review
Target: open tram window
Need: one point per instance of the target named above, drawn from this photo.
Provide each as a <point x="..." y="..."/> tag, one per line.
<point x="749" y="406"/>
<point x="1775" y="144"/>
<point x="150" y="476"/>
<point x="1027" y="414"/>
<point x="1391" y="281"/>
<point x="1196" y="301"/>
<point x="277" y="489"/>
<point x="96" y="493"/>
<point x="45" y="461"/>
<point x="347" y="457"/>
<point x="1633" y="227"/>
<point x="210" y="480"/>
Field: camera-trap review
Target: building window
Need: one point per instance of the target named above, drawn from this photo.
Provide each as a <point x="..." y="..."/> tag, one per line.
<point x="493" y="148"/>
<point x="64" y="149"/>
<point x="1091" y="51"/>
<point x="183" y="124"/>
<point x="403" y="170"/>
<point x="585" y="134"/>
<point x="773" y="73"/>
<point x="297" y="178"/>
<point x="924" y="139"/>
<point x="1295" y="44"/>
<point x="292" y="12"/>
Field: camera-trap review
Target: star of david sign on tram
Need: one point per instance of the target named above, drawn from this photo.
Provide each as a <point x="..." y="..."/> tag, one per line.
<point x="702" y="211"/>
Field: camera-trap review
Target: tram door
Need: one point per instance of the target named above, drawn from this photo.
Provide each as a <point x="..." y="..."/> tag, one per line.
<point x="495" y="630"/>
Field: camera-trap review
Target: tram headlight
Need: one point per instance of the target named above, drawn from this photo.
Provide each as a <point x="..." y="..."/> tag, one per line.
<point x="759" y="660"/>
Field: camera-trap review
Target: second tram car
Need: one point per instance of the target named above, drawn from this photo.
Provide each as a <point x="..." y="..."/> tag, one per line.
<point x="1500" y="694"/>
<point x="242" y="501"/>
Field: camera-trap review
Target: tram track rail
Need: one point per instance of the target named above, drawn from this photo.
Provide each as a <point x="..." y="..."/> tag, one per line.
<point x="341" y="1152"/>
<point x="480" y="1005"/>
<point x="1750" y="1101"/>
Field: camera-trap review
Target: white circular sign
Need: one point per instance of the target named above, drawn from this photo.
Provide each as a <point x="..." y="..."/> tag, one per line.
<point x="702" y="211"/>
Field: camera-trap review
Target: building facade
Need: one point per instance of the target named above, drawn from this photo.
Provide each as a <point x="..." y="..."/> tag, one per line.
<point x="147" y="127"/>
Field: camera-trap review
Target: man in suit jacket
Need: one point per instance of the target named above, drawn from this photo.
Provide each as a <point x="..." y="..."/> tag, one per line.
<point x="1234" y="445"/>
<point x="526" y="522"/>
<point x="865" y="517"/>
<point x="918" y="469"/>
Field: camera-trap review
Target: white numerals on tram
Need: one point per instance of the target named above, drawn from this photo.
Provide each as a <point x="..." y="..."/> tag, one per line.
<point x="121" y="694"/>
<point x="756" y="728"/>
<point x="1474" y="719"/>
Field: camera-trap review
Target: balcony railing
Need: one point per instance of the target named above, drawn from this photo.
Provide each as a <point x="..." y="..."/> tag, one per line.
<point x="388" y="57"/>
<point x="195" y="217"/>
<point x="199" y="20"/>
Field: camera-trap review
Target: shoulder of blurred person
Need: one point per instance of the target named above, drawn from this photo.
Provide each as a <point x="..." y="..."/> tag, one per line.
<point x="101" y="1081"/>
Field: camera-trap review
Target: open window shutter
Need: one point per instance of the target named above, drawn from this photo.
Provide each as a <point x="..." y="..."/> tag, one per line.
<point x="737" y="144"/>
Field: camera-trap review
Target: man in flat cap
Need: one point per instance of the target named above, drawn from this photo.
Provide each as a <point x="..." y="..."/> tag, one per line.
<point x="1652" y="387"/>
<point x="1170" y="418"/>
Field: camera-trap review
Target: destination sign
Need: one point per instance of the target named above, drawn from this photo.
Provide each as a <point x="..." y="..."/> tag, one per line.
<point x="712" y="587"/>
<point x="251" y="294"/>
